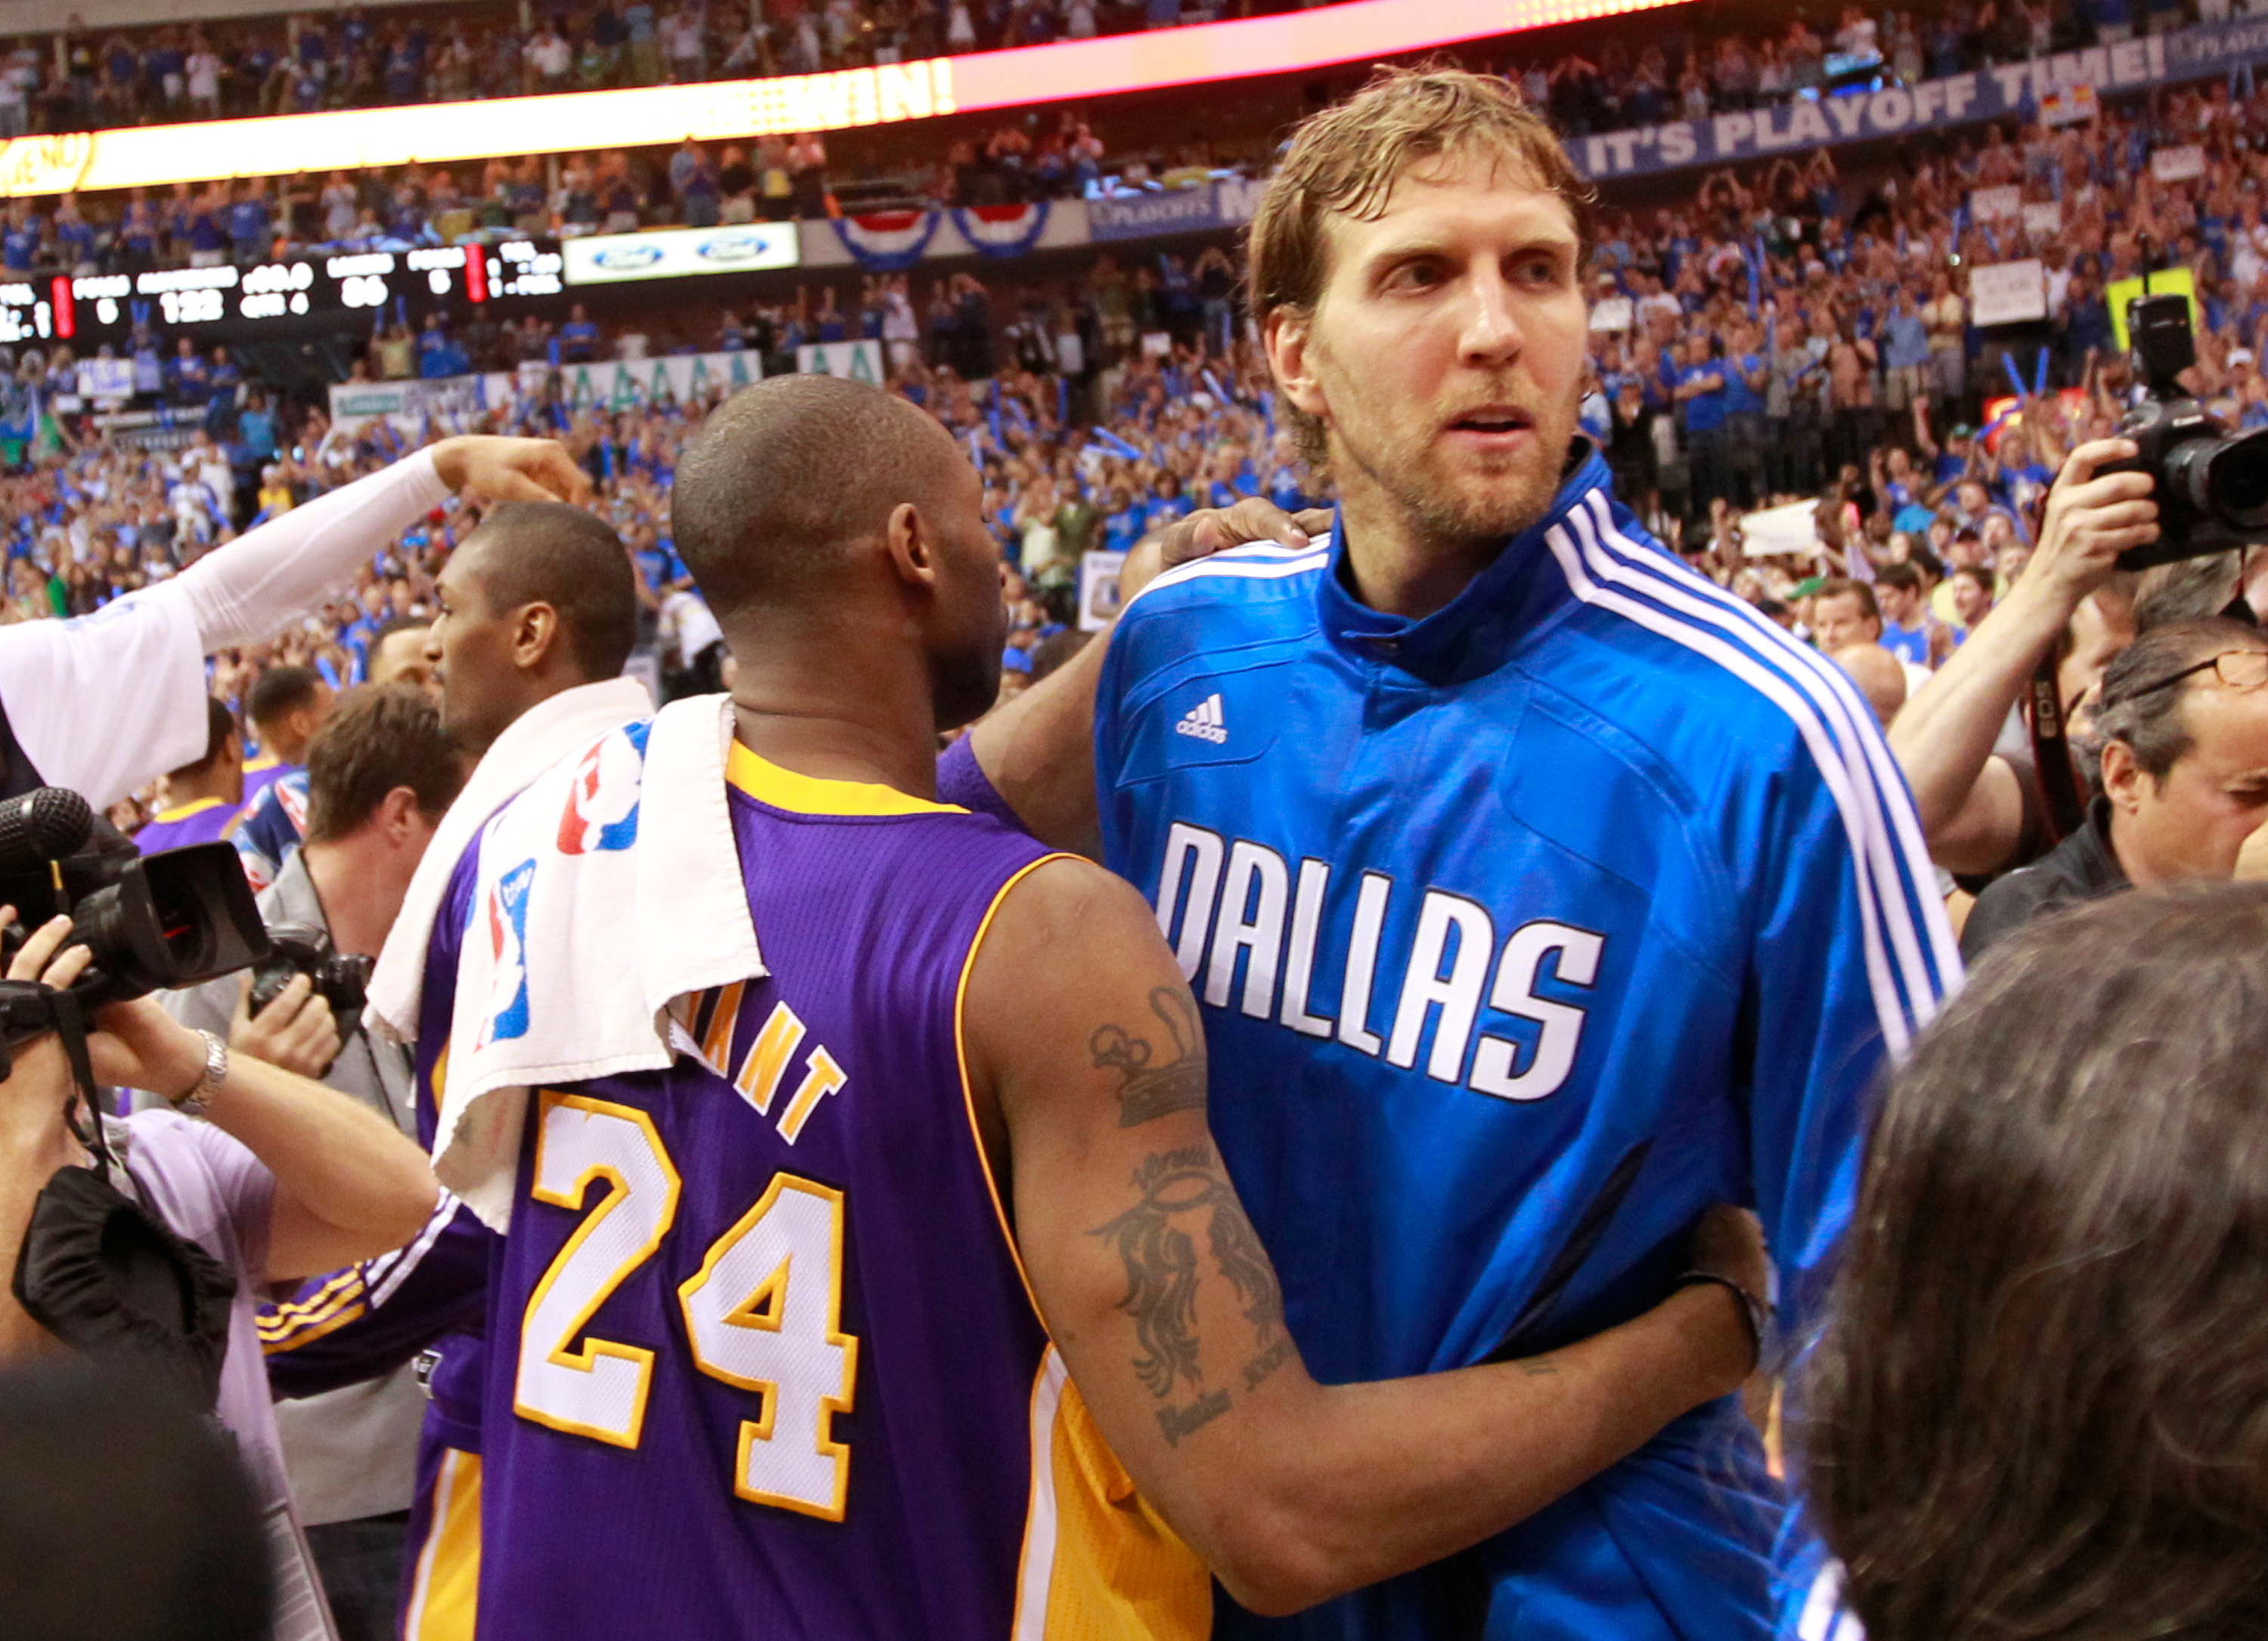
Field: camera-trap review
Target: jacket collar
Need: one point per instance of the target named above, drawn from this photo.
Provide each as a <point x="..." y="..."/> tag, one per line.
<point x="1471" y="635"/>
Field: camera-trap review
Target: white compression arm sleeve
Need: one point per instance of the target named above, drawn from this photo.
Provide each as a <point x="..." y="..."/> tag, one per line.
<point x="108" y="703"/>
<point x="246" y="591"/>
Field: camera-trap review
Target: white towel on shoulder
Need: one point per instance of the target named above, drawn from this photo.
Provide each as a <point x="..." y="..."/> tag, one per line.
<point x="531" y="744"/>
<point x="608" y="894"/>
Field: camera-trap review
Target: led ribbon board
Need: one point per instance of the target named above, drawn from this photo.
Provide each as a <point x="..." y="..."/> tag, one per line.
<point x="443" y="133"/>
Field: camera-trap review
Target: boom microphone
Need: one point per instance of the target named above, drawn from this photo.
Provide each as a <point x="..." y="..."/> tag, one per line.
<point x="51" y="824"/>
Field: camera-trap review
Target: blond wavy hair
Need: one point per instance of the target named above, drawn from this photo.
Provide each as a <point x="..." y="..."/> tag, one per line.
<point x="1345" y="161"/>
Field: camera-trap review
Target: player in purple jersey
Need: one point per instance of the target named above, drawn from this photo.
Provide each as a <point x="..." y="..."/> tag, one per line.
<point x="537" y="612"/>
<point x="843" y="1322"/>
<point x="204" y="797"/>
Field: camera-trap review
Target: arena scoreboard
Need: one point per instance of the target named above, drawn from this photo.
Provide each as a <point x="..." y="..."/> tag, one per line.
<point x="356" y="285"/>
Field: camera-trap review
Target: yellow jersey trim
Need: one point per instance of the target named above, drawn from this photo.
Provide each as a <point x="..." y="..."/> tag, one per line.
<point x="812" y="795"/>
<point x="182" y="811"/>
<point x="969" y="1090"/>
<point x="261" y="765"/>
<point x="444" y="1596"/>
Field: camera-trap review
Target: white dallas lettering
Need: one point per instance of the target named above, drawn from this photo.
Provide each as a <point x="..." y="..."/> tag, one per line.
<point x="1223" y="903"/>
<point x="1514" y="994"/>
<point x="1362" y="963"/>
<point x="1248" y="927"/>
<point x="1194" y="850"/>
<point x="1457" y="994"/>
<point x="1300" y="961"/>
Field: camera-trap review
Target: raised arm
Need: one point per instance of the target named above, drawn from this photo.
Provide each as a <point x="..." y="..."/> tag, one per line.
<point x="1087" y="1055"/>
<point x="113" y="739"/>
<point x="1923" y="442"/>
<point x="246" y="590"/>
<point x="1969" y="803"/>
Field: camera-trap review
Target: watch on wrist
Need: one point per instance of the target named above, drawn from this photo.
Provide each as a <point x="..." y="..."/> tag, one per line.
<point x="199" y="1095"/>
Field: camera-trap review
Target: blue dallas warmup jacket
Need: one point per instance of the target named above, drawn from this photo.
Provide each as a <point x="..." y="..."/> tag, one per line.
<point x="1524" y="932"/>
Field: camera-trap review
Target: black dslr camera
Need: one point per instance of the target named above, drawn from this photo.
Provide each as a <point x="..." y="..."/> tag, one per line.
<point x="153" y="923"/>
<point x="341" y="978"/>
<point x="2212" y="485"/>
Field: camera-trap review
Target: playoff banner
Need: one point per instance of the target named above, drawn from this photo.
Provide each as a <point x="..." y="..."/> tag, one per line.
<point x="2017" y="88"/>
<point x="1227" y="204"/>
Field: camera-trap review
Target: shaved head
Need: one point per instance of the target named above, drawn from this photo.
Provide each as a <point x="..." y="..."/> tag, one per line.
<point x="1880" y="676"/>
<point x="790" y="474"/>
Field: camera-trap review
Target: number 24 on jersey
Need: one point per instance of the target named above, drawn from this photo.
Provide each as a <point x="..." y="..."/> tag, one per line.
<point x="763" y="1313"/>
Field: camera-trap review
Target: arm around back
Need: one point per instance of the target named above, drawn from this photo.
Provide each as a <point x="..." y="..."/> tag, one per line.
<point x="1086" y="1054"/>
<point x="1038" y="751"/>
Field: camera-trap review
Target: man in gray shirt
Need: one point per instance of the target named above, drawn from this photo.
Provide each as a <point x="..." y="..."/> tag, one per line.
<point x="281" y="1180"/>
<point x="380" y="773"/>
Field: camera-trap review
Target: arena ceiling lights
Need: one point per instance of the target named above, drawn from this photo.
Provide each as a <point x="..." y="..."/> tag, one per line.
<point x="444" y="133"/>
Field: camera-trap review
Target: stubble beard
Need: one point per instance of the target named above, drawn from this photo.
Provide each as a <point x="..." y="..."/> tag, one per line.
<point x="1492" y="500"/>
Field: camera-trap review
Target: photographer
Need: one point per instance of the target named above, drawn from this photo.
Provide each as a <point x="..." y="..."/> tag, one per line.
<point x="106" y="704"/>
<point x="381" y="774"/>
<point x="2183" y="729"/>
<point x="1978" y="797"/>
<point x="284" y="1178"/>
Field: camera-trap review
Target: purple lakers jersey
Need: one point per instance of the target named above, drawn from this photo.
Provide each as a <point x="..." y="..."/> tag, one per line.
<point x="760" y="1357"/>
<point x="201" y="820"/>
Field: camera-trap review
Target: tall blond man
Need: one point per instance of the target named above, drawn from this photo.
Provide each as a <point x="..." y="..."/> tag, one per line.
<point x="1536" y="893"/>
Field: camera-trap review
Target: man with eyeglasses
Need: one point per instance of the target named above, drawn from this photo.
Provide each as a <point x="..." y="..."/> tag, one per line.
<point x="2182" y="730"/>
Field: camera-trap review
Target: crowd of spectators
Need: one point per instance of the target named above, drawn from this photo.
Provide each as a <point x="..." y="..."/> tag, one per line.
<point x="1788" y="377"/>
<point x="1794" y="333"/>
<point x="773" y="179"/>
<point x="1831" y="50"/>
<point x="1074" y="457"/>
<point x="307" y="63"/>
<point x="1788" y="336"/>
<point x="80" y="79"/>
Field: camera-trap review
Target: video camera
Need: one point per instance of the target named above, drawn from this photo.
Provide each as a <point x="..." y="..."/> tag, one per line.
<point x="2212" y="485"/>
<point x="153" y="923"/>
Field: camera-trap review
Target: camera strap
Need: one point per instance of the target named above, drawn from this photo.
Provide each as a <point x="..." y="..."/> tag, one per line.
<point x="70" y="1027"/>
<point x="2051" y="753"/>
<point x="104" y="1274"/>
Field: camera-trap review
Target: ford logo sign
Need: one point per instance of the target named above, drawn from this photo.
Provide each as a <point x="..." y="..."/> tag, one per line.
<point x="731" y="248"/>
<point x="628" y="258"/>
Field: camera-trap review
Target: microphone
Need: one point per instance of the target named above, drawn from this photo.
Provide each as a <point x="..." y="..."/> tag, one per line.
<point x="48" y="824"/>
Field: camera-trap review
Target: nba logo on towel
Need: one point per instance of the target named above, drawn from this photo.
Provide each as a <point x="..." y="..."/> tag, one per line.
<point x="507" y="921"/>
<point x="602" y="801"/>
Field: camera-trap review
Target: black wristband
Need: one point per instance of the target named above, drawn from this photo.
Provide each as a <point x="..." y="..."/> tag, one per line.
<point x="1752" y="1310"/>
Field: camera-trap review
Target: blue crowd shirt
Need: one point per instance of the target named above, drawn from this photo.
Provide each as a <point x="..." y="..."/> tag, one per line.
<point x="1705" y="412"/>
<point x="1286" y="490"/>
<point x="1524" y="932"/>
<point x="1739" y="398"/>
<point x="1906" y="643"/>
<point x="1907" y="340"/>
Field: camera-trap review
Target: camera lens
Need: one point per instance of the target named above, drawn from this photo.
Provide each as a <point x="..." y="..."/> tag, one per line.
<point x="2236" y="479"/>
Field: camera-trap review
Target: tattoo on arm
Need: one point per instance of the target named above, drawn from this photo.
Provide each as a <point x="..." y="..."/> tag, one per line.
<point x="1162" y="1278"/>
<point x="1146" y="1090"/>
<point x="1161" y="1267"/>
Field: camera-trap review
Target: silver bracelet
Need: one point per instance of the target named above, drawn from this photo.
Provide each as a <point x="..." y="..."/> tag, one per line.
<point x="193" y="1103"/>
